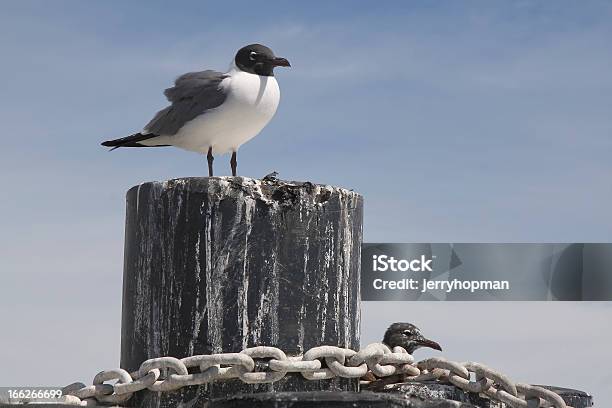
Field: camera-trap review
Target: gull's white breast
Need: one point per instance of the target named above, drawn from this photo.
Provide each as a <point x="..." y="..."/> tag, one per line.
<point x="250" y="104"/>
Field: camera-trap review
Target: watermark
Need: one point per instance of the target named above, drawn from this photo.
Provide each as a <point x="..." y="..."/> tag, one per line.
<point x="30" y="395"/>
<point x="435" y="285"/>
<point x="383" y="263"/>
<point x="473" y="271"/>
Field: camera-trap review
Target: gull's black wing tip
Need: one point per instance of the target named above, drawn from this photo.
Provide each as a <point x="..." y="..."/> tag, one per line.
<point x="128" y="141"/>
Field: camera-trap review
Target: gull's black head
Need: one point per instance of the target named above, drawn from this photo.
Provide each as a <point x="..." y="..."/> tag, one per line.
<point x="407" y="336"/>
<point x="259" y="59"/>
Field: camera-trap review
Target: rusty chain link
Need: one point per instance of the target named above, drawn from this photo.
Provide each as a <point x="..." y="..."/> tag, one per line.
<point x="318" y="363"/>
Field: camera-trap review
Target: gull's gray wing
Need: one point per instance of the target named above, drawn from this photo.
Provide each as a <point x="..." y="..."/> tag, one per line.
<point x="192" y="95"/>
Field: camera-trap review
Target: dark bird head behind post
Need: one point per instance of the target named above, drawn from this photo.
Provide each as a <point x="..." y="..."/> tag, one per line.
<point x="407" y="336"/>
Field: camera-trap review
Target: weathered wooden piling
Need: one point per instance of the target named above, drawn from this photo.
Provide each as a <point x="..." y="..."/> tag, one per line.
<point x="219" y="264"/>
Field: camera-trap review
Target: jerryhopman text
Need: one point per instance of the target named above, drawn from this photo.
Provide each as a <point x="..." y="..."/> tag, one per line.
<point x="448" y="286"/>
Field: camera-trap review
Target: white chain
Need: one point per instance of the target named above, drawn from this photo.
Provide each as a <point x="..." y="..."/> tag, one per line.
<point x="376" y="358"/>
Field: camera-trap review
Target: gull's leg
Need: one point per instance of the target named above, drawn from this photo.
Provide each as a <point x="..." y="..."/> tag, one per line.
<point x="210" y="159"/>
<point x="234" y="164"/>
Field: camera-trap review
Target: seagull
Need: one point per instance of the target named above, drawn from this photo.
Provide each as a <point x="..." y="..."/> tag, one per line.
<point x="405" y="335"/>
<point x="408" y="336"/>
<point x="212" y="112"/>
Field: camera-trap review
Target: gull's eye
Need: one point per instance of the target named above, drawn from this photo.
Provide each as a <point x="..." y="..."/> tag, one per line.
<point x="407" y="333"/>
<point x="252" y="55"/>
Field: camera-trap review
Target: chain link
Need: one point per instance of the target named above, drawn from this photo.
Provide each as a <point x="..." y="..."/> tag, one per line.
<point x="318" y="363"/>
<point x="488" y="382"/>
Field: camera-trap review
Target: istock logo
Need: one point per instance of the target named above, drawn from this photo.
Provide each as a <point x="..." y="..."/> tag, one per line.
<point x="383" y="263"/>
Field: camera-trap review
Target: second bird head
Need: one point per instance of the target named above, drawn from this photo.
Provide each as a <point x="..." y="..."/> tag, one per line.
<point x="408" y="336"/>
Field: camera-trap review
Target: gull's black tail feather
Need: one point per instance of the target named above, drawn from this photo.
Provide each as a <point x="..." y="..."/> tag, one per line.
<point x="130" y="141"/>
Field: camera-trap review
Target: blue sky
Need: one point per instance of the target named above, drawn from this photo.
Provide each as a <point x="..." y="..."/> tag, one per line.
<point x="457" y="121"/>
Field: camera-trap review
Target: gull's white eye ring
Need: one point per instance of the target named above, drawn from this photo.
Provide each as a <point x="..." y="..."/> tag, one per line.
<point x="252" y="55"/>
